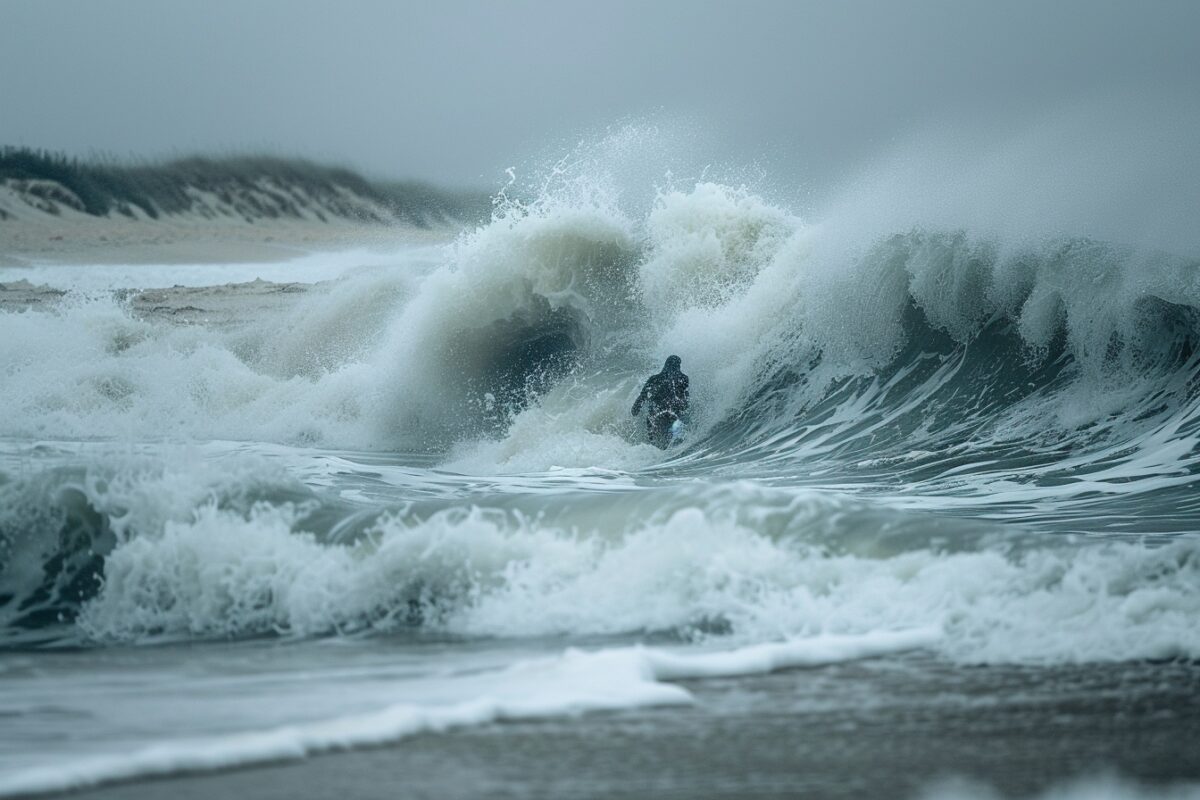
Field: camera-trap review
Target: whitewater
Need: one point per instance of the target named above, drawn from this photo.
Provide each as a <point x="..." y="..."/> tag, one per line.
<point x="252" y="513"/>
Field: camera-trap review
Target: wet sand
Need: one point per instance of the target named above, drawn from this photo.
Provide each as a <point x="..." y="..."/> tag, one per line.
<point x="76" y="239"/>
<point x="882" y="728"/>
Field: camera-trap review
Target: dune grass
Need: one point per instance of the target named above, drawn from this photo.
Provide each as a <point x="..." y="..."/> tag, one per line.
<point x="287" y="184"/>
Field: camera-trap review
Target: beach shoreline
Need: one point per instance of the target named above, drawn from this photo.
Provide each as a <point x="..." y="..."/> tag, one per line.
<point x="84" y="240"/>
<point x="876" y="728"/>
<point x="79" y="241"/>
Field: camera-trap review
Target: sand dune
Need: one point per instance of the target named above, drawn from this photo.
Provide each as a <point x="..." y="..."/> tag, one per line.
<point x="202" y="210"/>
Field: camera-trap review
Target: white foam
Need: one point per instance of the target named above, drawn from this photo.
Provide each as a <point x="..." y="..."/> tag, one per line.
<point x="475" y="571"/>
<point x="577" y="424"/>
<point x="706" y="245"/>
<point x="573" y="683"/>
<point x="91" y="370"/>
<point x="303" y="267"/>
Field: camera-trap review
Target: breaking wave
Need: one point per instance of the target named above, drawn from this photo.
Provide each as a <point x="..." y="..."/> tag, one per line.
<point x="143" y="553"/>
<point x="898" y="422"/>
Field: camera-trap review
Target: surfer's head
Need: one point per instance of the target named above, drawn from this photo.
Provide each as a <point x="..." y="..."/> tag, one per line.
<point x="672" y="364"/>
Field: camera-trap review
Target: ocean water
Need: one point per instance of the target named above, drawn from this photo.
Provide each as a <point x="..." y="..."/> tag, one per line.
<point x="409" y="497"/>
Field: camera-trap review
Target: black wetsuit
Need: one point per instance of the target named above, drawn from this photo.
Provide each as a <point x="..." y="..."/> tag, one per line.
<point x="666" y="399"/>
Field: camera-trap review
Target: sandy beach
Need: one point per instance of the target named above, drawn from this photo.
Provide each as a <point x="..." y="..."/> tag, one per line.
<point x="31" y="237"/>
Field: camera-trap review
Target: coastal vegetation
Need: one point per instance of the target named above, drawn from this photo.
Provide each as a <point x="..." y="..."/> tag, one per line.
<point x="246" y="186"/>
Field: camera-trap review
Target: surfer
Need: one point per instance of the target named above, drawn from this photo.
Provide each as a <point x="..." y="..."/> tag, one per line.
<point x="666" y="397"/>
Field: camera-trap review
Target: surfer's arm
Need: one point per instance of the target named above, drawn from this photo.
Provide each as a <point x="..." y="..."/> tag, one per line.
<point x="641" y="398"/>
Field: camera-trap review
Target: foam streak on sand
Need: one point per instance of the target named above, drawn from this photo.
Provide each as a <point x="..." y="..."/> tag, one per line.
<point x="573" y="683"/>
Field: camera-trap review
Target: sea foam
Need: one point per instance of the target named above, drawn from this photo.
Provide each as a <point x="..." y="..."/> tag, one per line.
<point x="573" y="683"/>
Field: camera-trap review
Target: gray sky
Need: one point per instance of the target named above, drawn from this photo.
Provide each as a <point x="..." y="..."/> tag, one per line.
<point x="455" y="91"/>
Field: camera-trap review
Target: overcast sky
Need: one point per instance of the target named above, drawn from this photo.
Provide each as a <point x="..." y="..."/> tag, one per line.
<point x="455" y="91"/>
